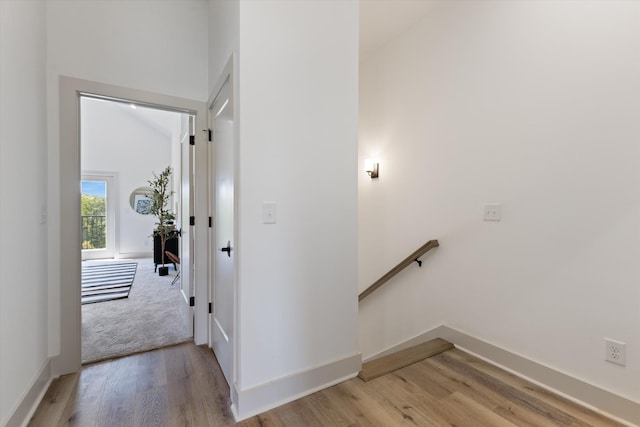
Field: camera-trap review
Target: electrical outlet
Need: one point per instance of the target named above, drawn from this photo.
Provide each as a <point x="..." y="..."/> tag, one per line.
<point x="492" y="212"/>
<point x="614" y="352"/>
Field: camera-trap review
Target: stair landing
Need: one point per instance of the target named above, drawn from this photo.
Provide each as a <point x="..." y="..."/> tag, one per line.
<point x="378" y="367"/>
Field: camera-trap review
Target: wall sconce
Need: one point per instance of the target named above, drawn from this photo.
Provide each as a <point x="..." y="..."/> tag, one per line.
<point x="371" y="168"/>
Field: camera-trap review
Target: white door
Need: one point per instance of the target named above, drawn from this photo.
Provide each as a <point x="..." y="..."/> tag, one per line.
<point x="222" y="325"/>
<point x="186" y="210"/>
<point x="98" y="215"/>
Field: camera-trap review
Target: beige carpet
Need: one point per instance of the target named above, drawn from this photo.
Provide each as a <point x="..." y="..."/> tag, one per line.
<point x="149" y="318"/>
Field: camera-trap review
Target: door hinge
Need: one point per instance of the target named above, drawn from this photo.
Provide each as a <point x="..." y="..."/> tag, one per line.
<point x="192" y="140"/>
<point x="210" y="135"/>
<point x="192" y="220"/>
<point x="210" y="221"/>
<point x="192" y="301"/>
<point x="210" y="308"/>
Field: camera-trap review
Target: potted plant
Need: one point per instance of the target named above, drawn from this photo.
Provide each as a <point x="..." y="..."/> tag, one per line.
<point x="160" y="195"/>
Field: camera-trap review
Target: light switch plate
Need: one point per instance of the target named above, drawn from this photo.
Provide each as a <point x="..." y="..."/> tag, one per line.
<point x="269" y="212"/>
<point x="43" y="213"/>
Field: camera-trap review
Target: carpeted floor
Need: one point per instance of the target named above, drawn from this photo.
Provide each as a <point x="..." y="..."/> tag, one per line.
<point x="149" y="318"/>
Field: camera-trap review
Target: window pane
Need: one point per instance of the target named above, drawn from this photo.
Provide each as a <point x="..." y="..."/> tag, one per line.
<point x="93" y="210"/>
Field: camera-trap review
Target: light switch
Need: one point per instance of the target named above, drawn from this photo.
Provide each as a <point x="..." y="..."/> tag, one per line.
<point x="269" y="212"/>
<point x="43" y="214"/>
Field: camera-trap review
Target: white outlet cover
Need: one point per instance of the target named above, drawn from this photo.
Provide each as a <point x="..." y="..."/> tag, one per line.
<point x="614" y="352"/>
<point x="492" y="212"/>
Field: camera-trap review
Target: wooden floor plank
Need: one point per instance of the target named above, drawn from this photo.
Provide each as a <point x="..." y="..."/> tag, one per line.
<point x="151" y="371"/>
<point x="475" y="413"/>
<point x="299" y="413"/>
<point x="554" y="415"/>
<point x="488" y="397"/>
<point x="82" y="409"/>
<point x="580" y="414"/>
<point x="326" y="412"/>
<point x="401" y="398"/>
<point x="152" y="407"/>
<point x="364" y="409"/>
<point x="184" y="386"/>
<point x="485" y="392"/>
<point x="120" y="388"/>
<point x="430" y="380"/>
<point x="268" y="419"/>
<point x="55" y="400"/>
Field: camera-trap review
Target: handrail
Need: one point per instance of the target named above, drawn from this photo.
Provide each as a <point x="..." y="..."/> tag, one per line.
<point x="401" y="266"/>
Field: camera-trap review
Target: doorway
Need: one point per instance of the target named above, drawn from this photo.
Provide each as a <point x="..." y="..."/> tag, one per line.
<point x="126" y="307"/>
<point x="68" y="236"/>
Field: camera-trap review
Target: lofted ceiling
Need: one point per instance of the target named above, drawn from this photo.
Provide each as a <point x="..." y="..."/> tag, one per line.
<point x="167" y="123"/>
<point x="163" y="121"/>
<point x="383" y="20"/>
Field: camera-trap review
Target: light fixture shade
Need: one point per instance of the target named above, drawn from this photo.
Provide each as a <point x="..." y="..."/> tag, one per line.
<point x="368" y="165"/>
<point x="371" y="167"/>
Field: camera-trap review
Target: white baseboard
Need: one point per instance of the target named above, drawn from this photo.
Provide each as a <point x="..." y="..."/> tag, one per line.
<point x="132" y="255"/>
<point x="261" y="398"/>
<point x="600" y="400"/>
<point x="22" y="413"/>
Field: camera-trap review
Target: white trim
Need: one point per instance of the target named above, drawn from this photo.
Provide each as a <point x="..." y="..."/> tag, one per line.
<point x="605" y="402"/>
<point x="68" y="242"/>
<point x="126" y="255"/>
<point x="29" y="401"/>
<point x="263" y="397"/>
<point x="200" y="230"/>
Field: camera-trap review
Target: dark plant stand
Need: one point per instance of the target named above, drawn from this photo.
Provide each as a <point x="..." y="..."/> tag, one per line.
<point x="171" y="245"/>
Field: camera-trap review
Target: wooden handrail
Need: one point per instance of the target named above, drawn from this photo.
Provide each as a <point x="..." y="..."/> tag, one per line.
<point x="398" y="268"/>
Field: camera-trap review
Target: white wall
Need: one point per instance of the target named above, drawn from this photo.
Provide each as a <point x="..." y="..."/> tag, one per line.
<point x="224" y="36"/>
<point x="154" y="46"/>
<point x="23" y="262"/>
<point x="534" y="105"/>
<point x="116" y="138"/>
<point x="297" y="120"/>
<point x="298" y="108"/>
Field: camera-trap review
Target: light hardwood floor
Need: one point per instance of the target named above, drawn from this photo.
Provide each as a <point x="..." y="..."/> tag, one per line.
<point x="183" y="386"/>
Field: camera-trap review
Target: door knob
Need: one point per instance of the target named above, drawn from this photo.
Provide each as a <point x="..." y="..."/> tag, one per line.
<point x="227" y="249"/>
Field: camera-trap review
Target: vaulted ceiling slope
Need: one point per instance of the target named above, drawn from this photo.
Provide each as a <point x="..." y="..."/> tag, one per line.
<point x="383" y="20"/>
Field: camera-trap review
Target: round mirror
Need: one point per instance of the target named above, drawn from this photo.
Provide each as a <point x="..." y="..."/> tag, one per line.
<point x="140" y="200"/>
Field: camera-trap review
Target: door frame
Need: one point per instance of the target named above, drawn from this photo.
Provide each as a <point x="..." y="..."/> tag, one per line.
<point x="185" y="211"/>
<point x="68" y="247"/>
